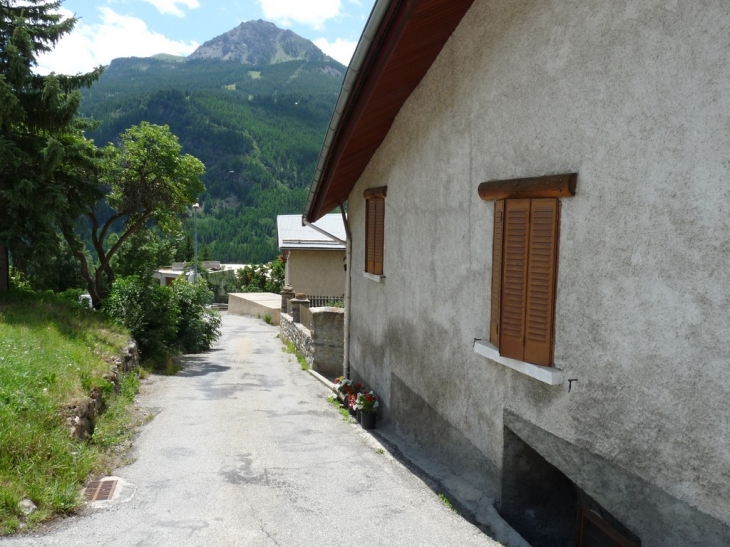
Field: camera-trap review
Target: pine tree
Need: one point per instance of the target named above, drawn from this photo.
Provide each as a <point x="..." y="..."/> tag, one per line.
<point x="38" y="130"/>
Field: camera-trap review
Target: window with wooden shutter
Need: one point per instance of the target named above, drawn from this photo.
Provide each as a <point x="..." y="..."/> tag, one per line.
<point x="524" y="272"/>
<point x="374" y="230"/>
<point x="525" y="263"/>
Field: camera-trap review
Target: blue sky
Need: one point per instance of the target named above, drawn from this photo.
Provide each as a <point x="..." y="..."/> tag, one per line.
<point x="108" y="29"/>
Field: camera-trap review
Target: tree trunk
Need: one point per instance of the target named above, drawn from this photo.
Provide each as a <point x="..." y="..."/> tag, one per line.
<point x="4" y="270"/>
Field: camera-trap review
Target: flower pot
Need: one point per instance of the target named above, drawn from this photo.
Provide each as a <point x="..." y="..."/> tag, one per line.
<point x="367" y="420"/>
<point x="351" y="411"/>
<point x="358" y="413"/>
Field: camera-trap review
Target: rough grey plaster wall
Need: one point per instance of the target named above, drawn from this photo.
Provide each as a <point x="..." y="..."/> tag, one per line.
<point x="635" y="96"/>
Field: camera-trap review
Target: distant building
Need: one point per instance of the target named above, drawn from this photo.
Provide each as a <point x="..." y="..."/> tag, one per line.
<point x="315" y="263"/>
<point x="168" y="274"/>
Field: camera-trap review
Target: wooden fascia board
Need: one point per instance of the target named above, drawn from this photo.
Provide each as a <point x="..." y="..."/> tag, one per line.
<point x="383" y="46"/>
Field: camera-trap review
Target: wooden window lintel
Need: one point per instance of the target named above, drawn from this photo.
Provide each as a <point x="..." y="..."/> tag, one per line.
<point x="379" y="192"/>
<point x="552" y="186"/>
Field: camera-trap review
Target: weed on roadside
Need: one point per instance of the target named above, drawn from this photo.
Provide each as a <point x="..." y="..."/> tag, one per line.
<point x="447" y="502"/>
<point x="346" y="415"/>
<point x="268" y="320"/>
<point x="291" y="348"/>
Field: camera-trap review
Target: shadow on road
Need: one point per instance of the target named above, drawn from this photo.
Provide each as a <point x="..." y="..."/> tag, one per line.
<point x="192" y="366"/>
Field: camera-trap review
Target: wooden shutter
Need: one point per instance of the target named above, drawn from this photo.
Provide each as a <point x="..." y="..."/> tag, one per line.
<point x="498" y="234"/>
<point x="375" y="235"/>
<point x="541" y="277"/>
<point x="369" y="236"/>
<point x="379" y="235"/>
<point x="514" y="279"/>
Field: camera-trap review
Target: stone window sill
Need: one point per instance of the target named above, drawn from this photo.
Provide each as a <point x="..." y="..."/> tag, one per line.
<point x="374" y="277"/>
<point x="548" y="375"/>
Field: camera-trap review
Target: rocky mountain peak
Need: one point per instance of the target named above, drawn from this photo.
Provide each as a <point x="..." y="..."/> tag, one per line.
<point x="259" y="43"/>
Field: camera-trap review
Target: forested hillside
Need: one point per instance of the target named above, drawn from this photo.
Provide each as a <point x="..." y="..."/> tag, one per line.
<point x="257" y="129"/>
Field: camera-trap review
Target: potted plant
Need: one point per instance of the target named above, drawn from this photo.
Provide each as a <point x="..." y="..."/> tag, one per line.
<point x="367" y="404"/>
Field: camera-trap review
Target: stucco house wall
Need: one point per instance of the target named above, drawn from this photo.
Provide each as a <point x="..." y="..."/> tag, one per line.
<point x="635" y="97"/>
<point x="314" y="272"/>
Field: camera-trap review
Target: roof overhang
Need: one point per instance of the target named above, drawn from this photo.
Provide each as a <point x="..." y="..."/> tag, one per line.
<point x="399" y="44"/>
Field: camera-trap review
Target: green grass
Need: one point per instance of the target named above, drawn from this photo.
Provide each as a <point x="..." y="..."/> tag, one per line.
<point x="268" y="320"/>
<point x="345" y="413"/>
<point x="52" y="353"/>
<point x="447" y="502"/>
<point x="291" y="348"/>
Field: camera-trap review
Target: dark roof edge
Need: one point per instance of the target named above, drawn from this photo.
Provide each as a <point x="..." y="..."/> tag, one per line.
<point x="352" y="77"/>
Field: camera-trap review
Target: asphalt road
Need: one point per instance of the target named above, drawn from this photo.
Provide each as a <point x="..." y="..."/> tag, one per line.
<point x="244" y="450"/>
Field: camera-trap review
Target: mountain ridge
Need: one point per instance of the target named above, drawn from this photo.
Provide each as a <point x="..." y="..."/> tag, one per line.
<point x="257" y="128"/>
<point x="259" y="43"/>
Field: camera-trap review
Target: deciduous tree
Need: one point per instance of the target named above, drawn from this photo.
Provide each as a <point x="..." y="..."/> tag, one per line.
<point x="147" y="179"/>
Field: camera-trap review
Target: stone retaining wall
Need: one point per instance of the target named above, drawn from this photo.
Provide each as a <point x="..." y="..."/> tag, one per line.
<point x="322" y="346"/>
<point x="82" y="414"/>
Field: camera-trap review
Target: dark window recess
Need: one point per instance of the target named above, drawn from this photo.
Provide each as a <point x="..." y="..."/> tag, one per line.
<point x="548" y="509"/>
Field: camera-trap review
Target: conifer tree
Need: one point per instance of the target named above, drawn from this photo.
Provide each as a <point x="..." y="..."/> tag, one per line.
<point x="38" y="130"/>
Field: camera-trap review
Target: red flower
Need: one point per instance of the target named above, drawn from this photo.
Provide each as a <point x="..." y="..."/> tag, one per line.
<point x="368" y="398"/>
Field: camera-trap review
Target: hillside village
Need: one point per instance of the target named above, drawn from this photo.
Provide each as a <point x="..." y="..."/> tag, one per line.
<point x="470" y="289"/>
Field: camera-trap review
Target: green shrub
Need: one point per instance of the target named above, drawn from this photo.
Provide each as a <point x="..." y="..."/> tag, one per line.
<point x="149" y="310"/>
<point x="199" y="326"/>
<point x="164" y="319"/>
<point x="262" y="277"/>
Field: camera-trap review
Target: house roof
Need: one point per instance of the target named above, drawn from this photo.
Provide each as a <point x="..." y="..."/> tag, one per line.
<point x="292" y="235"/>
<point x="399" y="44"/>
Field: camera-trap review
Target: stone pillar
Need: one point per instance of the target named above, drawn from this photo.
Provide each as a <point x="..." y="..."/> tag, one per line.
<point x="286" y="295"/>
<point x="295" y="309"/>
<point x="299" y="299"/>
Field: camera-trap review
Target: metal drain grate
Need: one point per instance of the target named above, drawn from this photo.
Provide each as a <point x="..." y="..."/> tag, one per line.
<point x="100" y="490"/>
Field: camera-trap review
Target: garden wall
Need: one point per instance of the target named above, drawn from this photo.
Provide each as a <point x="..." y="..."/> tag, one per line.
<point x="321" y="343"/>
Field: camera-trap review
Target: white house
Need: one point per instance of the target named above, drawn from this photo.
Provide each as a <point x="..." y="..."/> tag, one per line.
<point x="539" y="200"/>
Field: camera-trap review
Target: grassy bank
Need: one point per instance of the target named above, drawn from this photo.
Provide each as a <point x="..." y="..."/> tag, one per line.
<point x="52" y="354"/>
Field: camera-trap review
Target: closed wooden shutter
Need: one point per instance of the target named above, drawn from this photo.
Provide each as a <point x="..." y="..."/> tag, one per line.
<point x="541" y="276"/>
<point x="369" y="236"/>
<point x="514" y="279"/>
<point x="379" y="235"/>
<point x="498" y="234"/>
<point x="374" y="235"/>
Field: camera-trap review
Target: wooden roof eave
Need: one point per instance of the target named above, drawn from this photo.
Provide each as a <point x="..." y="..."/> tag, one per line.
<point x="400" y="43"/>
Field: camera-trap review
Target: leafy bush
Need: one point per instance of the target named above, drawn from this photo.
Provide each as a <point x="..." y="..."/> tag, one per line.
<point x="199" y="326"/>
<point x="164" y="319"/>
<point x="149" y="310"/>
<point x="262" y="277"/>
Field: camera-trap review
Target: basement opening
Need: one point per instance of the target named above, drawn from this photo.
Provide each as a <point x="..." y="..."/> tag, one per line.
<point x="548" y="509"/>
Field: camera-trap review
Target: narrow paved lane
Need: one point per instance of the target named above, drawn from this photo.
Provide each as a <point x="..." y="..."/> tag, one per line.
<point x="244" y="450"/>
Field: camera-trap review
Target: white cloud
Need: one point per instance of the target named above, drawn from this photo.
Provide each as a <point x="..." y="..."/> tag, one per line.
<point x="116" y="36"/>
<point x="340" y="49"/>
<point x="170" y="7"/>
<point x="313" y="13"/>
